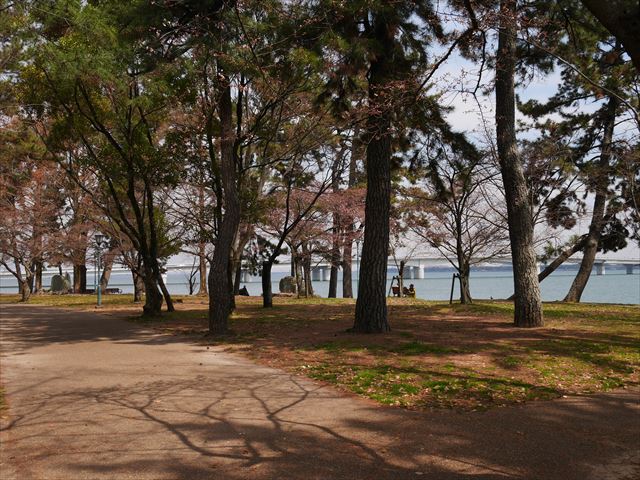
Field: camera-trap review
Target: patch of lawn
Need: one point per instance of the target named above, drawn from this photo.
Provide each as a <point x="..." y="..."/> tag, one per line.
<point x="557" y="310"/>
<point x="418" y="388"/>
<point x="437" y="355"/>
<point x="71" y="300"/>
<point x="421" y="348"/>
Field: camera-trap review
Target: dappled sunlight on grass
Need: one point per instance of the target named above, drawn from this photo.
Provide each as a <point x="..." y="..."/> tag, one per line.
<point x="437" y="355"/>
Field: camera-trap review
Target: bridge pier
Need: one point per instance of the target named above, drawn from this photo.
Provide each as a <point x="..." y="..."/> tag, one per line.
<point x="421" y="269"/>
<point x="320" y="273"/>
<point x="629" y="269"/>
<point x="411" y="272"/>
<point x="244" y="275"/>
<point x="600" y="268"/>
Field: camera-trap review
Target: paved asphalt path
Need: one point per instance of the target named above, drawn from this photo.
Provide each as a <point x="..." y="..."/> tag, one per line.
<point x="92" y="396"/>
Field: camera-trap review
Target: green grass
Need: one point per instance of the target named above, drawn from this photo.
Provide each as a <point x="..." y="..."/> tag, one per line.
<point x="421" y="348"/>
<point x="81" y="301"/>
<point x="417" y="387"/>
<point x="555" y="310"/>
<point x="437" y="355"/>
<point x="70" y="300"/>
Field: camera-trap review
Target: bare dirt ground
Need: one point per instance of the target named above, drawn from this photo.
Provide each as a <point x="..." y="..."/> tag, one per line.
<point x="91" y="396"/>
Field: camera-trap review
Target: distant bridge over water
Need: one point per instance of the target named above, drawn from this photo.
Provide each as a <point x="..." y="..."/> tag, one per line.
<point x="414" y="268"/>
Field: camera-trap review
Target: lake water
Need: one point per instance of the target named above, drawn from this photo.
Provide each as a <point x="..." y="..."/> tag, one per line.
<point x="613" y="287"/>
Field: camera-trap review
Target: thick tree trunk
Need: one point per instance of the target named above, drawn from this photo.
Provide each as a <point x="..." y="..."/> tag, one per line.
<point x="164" y="290"/>
<point x="601" y="180"/>
<point x="308" y="281"/>
<point x="153" y="298"/>
<point x="371" y="306"/>
<point x="221" y="299"/>
<point x="463" y="265"/>
<point x="138" y="286"/>
<point x="333" y="274"/>
<point x="37" y="289"/>
<point x="465" y="290"/>
<point x="267" y="293"/>
<point x="528" y="303"/>
<point x="299" y="276"/>
<point x="80" y="278"/>
<point x="25" y="289"/>
<point x="347" y="274"/>
<point x="202" y="270"/>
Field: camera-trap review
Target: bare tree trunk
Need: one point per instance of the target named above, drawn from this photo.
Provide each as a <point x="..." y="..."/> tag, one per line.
<point x="308" y="281"/>
<point x="335" y="261"/>
<point x="347" y="274"/>
<point x="601" y="180"/>
<point x="335" y="234"/>
<point x="463" y="265"/>
<point x="306" y="267"/>
<point x="563" y="257"/>
<point x="347" y="251"/>
<point x="267" y="293"/>
<point x="25" y="288"/>
<point x="401" y="278"/>
<point x="299" y="276"/>
<point x="221" y="300"/>
<point x="153" y="298"/>
<point x="80" y="278"/>
<point x="138" y="286"/>
<point x="242" y="238"/>
<point x="371" y="306"/>
<point x="237" y="280"/>
<point x="202" y="271"/>
<point x="106" y="272"/>
<point x="465" y="290"/>
<point x="38" y="278"/>
<point x="165" y="291"/>
<point x="528" y="303"/>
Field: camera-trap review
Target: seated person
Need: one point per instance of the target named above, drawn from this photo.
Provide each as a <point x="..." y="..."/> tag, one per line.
<point x="244" y="292"/>
<point x="411" y="292"/>
<point x="405" y="291"/>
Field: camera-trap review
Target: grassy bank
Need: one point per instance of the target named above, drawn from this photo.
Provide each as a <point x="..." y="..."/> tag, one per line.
<point x="437" y="355"/>
<point x="440" y="355"/>
<point x="83" y="301"/>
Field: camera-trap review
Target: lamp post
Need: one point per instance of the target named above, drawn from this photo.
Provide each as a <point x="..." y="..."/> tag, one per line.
<point x="99" y="238"/>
